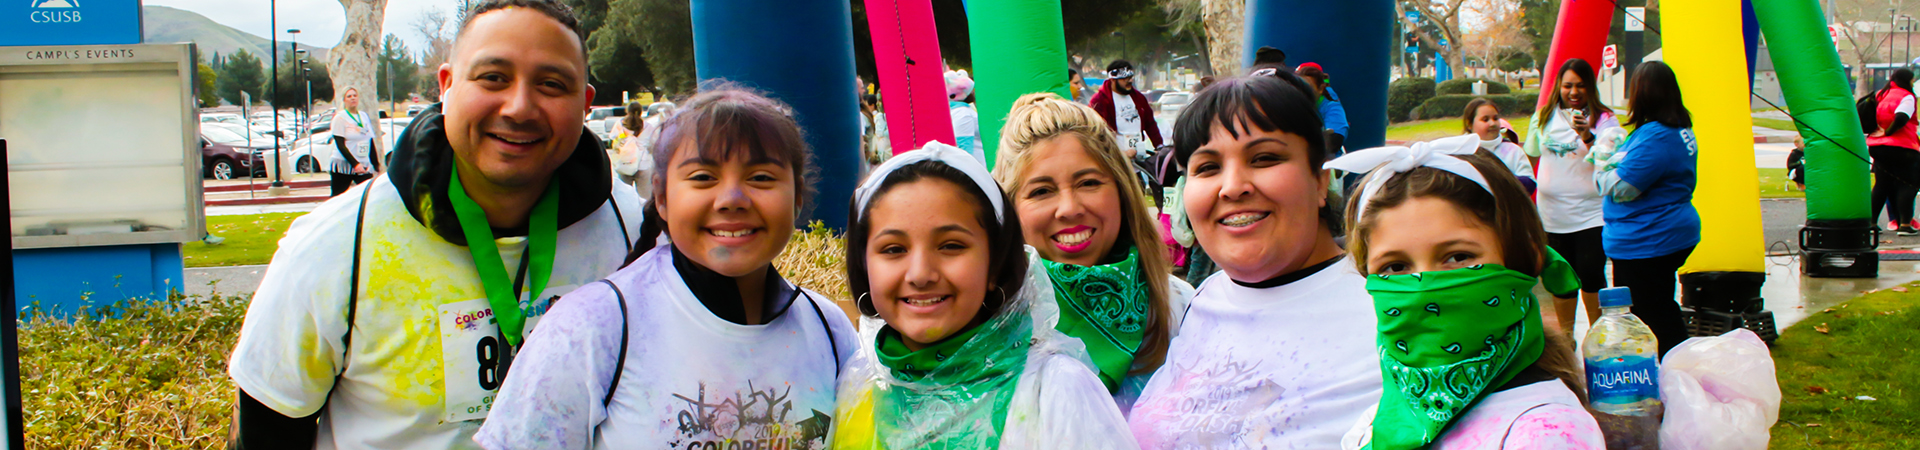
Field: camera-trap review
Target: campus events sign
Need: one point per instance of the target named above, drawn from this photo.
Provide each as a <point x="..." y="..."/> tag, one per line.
<point x="69" y="22"/>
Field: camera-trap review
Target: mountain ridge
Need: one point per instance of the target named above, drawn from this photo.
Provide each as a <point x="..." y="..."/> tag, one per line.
<point x="167" y="25"/>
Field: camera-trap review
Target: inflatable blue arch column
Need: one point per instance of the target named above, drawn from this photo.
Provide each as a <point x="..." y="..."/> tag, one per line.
<point x="1352" y="40"/>
<point x="801" y="52"/>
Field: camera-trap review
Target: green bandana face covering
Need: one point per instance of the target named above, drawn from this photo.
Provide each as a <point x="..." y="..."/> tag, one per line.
<point x="955" y="392"/>
<point x="1106" y="307"/>
<point x="1447" y="337"/>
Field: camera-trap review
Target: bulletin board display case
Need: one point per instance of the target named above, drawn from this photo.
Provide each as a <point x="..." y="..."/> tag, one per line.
<point x="104" y="145"/>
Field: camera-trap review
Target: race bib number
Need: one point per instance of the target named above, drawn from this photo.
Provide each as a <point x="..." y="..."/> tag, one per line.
<point x="475" y="358"/>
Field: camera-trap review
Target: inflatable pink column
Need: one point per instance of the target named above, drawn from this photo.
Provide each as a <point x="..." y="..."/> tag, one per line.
<point x="906" y="50"/>
<point x="1580" y="33"/>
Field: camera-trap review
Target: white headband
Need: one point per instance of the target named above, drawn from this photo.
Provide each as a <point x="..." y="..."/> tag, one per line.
<point x="933" y="151"/>
<point x="1398" y="160"/>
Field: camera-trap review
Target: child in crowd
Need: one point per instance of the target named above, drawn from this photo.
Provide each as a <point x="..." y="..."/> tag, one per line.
<point x="637" y="360"/>
<point x="1482" y="119"/>
<point x="1452" y="249"/>
<point x="958" y="347"/>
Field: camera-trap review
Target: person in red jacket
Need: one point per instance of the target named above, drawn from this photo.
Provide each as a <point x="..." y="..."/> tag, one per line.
<point x="1131" y="122"/>
<point x="1895" y="150"/>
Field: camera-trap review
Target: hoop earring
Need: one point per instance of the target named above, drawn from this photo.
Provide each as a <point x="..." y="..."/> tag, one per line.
<point x="865" y="305"/>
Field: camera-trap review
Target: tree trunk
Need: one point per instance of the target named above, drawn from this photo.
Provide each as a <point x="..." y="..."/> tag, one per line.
<point x="1225" y="21"/>
<point x="352" y="62"/>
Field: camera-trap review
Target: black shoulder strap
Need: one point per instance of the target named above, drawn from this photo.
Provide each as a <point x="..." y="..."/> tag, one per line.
<point x="832" y="344"/>
<point x="620" y="364"/>
<point x="623" y="222"/>
<point x="353" y="294"/>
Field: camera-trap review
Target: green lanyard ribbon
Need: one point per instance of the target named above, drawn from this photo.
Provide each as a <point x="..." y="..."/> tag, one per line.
<point x="356" y="120"/>
<point x="503" y="294"/>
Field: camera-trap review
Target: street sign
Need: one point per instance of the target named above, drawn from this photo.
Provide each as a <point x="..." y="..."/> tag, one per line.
<point x="1833" y="32"/>
<point x="69" y="22"/>
<point x="1609" y="58"/>
<point x="1635" y="15"/>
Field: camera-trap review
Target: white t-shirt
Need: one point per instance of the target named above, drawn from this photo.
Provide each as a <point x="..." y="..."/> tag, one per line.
<point x="410" y="380"/>
<point x="1539" y="415"/>
<point x="1515" y="158"/>
<point x="357" y="133"/>
<point x="691" y="378"/>
<point x="1289" y="366"/>
<point x="1126" y="116"/>
<point x="966" y="130"/>
<point x="1905" y="106"/>
<point x="1569" y="201"/>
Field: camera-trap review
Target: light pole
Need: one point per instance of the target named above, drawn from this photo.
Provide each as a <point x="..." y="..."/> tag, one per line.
<point x="391" y="112"/>
<point x="300" y="64"/>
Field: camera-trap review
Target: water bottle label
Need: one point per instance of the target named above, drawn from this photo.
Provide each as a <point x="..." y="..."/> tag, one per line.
<point x="1622" y="379"/>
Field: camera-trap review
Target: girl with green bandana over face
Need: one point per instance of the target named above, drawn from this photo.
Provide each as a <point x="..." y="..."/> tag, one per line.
<point x="958" y="346"/>
<point x="1452" y="250"/>
<point x="1086" y="215"/>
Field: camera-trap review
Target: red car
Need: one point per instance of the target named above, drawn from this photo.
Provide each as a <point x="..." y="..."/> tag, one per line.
<point x="224" y="154"/>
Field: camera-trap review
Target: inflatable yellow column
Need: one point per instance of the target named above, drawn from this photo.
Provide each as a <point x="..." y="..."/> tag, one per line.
<point x="1706" y="54"/>
<point x="1721" y="281"/>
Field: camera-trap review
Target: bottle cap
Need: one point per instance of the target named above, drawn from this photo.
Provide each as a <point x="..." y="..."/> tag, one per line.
<point x="1615" y="296"/>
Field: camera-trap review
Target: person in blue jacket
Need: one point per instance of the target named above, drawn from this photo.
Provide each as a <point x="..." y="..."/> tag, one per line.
<point x="1333" y="116"/>
<point x="1647" y="189"/>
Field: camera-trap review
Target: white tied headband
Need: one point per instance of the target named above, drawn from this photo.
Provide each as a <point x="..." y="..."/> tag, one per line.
<point x="933" y="151"/>
<point x="1396" y="160"/>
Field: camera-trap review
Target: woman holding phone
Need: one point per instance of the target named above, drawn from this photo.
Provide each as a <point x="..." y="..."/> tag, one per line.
<point x="1568" y="201"/>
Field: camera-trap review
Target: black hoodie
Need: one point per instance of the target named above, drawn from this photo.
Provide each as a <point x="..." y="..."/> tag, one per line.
<point x="423" y="165"/>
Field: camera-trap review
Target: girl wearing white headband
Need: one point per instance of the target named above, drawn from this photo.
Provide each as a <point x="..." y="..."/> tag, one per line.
<point x="1452" y="249"/>
<point x="958" y="347"/>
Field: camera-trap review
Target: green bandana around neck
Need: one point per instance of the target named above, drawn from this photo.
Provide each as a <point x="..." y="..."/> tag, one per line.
<point x="1446" y="338"/>
<point x="1106" y="307"/>
<point x="503" y="293"/>
<point x="955" y="392"/>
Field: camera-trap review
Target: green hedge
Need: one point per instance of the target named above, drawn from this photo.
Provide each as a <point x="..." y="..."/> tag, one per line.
<point x="1464" y="86"/>
<point x="1407" y="94"/>
<point x="1442" y="106"/>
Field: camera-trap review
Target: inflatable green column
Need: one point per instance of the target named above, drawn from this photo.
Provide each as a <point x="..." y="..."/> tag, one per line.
<point x="1019" y="48"/>
<point x="1838" y="236"/>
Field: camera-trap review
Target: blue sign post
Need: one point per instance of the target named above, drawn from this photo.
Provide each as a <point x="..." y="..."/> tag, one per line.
<point x="69" y="22"/>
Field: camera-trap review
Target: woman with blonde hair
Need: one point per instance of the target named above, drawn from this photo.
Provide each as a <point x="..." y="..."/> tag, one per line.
<point x="1087" y="215"/>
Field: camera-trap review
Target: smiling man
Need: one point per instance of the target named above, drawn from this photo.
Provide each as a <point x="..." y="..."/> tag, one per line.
<point x="391" y="314"/>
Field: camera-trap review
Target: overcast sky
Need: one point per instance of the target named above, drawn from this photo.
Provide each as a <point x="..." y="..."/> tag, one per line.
<point x="321" y="22"/>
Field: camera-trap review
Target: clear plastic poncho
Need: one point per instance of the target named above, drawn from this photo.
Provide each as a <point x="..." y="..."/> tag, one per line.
<point x="1015" y="383"/>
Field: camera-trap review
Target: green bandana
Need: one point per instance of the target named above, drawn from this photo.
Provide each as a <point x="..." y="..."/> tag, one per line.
<point x="955" y="393"/>
<point x="1106" y="307"/>
<point x="503" y="294"/>
<point x="1446" y="337"/>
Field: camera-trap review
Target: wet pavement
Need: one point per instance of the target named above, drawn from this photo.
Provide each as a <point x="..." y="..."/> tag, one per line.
<point x="1789" y="294"/>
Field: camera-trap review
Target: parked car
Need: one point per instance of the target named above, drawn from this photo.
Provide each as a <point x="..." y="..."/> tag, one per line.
<point x="1153" y="96"/>
<point x="222" y="118"/>
<point x="414" y="110"/>
<point x="224" y="154"/>
<point x="1172" y="102"/>
<point x="601" y="119"/>
<point x="312" y="154"/>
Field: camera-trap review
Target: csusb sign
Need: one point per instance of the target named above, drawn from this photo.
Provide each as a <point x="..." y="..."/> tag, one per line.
<point x="69" y="22"/>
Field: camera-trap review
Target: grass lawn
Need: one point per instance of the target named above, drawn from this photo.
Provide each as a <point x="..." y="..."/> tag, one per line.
<point x="1777" y="124"/>
<point x="1865" y="347"/>
<point x="251" y="239"/>
<point x="1425" y="130"/>
<point x="1773" y="184"/>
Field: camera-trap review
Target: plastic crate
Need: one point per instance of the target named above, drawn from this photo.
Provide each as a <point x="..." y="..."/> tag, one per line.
<point x="1715" y="323"/>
